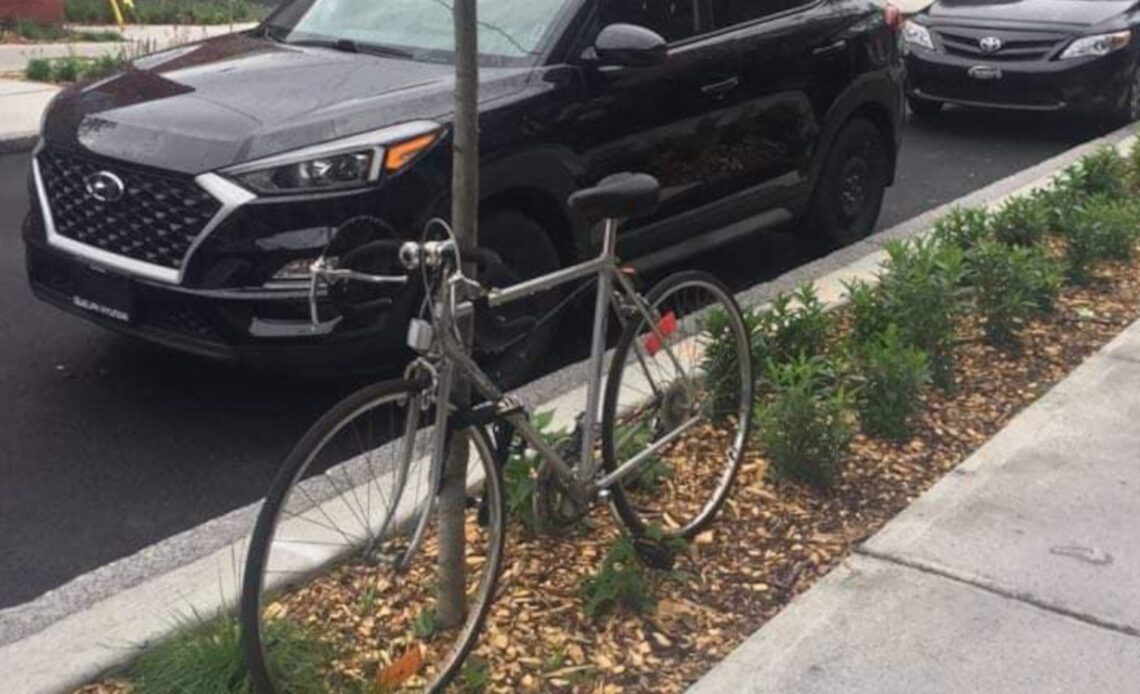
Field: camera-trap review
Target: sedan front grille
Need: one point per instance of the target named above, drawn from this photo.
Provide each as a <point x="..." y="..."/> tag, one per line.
<point x="967" y="42"/>
<point x="156" y="220"/>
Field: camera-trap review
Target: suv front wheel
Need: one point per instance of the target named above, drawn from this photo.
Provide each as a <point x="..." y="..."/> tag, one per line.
<point x="849" y="191"/>
<point x="512" y="344"/>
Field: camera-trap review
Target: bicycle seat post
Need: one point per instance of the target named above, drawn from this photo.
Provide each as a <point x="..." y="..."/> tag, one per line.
<point x="598" y="346"/>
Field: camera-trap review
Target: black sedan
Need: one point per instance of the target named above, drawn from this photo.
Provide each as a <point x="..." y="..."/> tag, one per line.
<point x="1043" y="55"/>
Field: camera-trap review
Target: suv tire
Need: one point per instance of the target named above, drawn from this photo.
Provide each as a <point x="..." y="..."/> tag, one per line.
<point x="526" y="251"/>
<point x="849" y="192"/>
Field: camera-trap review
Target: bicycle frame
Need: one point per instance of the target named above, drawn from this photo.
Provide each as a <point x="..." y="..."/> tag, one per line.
<point x="445" y="348"/>
<point x="455" y="357"/>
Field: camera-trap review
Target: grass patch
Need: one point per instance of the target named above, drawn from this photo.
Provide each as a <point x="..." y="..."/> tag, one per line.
<point x="23" y="30"/>
<point x="205" y="658"/>
<point x="167" y="12"/>
<point x="73" y="68"/>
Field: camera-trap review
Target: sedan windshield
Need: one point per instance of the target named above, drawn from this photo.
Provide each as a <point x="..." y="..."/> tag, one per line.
<point x="510" y="31"/>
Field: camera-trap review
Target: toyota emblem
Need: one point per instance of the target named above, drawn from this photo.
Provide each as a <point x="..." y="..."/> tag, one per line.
<point x="105" y="186"/>
<point x="990" y="44"/>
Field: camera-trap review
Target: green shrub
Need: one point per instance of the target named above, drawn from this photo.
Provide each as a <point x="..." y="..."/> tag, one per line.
<point x="519" y="473"/>
<point x="1043" y="277"/>
<point x="1020" y="221"/>
<point x="167" y="11"/>
<point x="796" y="325"/>
<point x="67" y="69"/>
<point x="1055" y="202"/>
<point x="720" y="364"/>
<point x="1119" y="226"/>
<point x="73" y="68"/>
<point x="892" y="376"/>
<point x="1104" y="172"/>
<point x="205" y="658"/>
<point x="869" y="318"/>
<point x="632" y="439"/>
<point x="1010" y="285"/>
<point x="1134" y="165"/>
<point x="97" y="36"/>
<point x="475" y="677"/>
<point x="805" y="427"/>
<point x="37" y="31"/>
<point x="963" y="227"/>
<point x="621" y="582"/>
<point x="1101" y="228"/>
<point x="38" y="70"/>
<point x="921" y="291"/>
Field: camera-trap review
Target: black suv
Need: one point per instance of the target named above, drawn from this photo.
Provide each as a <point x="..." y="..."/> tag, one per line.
<point x="183" y="199"/>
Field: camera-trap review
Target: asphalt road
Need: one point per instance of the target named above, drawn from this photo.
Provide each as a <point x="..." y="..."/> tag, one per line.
<point x="107" y="446"/>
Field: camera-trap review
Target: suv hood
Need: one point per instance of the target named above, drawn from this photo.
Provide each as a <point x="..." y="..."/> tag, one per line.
<point x="1073" y="12"/>
<point x="241" y="97"/>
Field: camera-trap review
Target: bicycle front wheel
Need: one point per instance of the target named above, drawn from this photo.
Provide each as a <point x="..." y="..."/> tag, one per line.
<point x="679" y="399"/>
<point x="328" y="602"/>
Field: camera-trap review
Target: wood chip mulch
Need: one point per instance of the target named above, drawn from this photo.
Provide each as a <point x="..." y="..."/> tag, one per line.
<point x="773" y="540"/>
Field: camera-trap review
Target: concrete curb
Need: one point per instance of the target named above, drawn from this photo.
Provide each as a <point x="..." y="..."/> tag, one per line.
<point x="140" y="599"/>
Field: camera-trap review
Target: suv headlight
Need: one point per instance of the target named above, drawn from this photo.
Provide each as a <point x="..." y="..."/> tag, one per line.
<point x="345" y="164"/>
<point x="915" y="33"/>
<point x="1101" y="44"/>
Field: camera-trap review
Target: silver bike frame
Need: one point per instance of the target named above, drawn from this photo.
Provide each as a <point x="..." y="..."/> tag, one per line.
<point x="456" y="357"/>
<point x="455" y="361"/>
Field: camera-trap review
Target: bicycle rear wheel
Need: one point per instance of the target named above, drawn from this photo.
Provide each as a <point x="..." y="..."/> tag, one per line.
<point x="325" y="605"/>
<point x="684" y="388"/>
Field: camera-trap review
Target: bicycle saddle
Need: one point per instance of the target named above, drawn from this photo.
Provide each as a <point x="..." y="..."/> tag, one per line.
<point x="619" y="196"/>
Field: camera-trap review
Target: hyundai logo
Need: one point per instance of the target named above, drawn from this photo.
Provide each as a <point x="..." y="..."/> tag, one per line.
<point x="105" y="186"/>
<point x="990" y="44"/>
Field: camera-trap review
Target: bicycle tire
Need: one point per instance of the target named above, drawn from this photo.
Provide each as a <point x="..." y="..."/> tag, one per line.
<point x="626" y="509"/>
<point x="291" y="474"/>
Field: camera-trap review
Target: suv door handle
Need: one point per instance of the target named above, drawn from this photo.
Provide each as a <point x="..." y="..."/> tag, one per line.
<point x="829" y="48"/>
<point x="721" y="88"/>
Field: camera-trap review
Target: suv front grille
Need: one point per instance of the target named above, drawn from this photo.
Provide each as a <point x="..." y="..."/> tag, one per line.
<point x="156" y="221"/>
<point x="1015" y="45"/>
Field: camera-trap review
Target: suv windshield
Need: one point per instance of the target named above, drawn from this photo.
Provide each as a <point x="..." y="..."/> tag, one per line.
<point x="510" y="31"/>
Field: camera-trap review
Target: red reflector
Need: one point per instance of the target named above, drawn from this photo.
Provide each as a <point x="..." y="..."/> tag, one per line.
<point x="894" y="17"/>
<point x="666" y="326"/>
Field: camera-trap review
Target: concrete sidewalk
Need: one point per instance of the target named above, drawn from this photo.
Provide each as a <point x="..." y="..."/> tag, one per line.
<point x="21" y="106"/>
<point x="138" y="38"/>
<point x="1019" y="573"/>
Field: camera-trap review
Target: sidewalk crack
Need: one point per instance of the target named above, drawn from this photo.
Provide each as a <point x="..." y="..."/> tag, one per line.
<point x="1024" y="598"/>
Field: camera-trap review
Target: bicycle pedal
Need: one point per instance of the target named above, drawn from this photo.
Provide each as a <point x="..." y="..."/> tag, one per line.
<point x="655" y="554"/>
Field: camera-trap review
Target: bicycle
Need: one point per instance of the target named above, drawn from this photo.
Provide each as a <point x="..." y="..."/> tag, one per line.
<point x="348" y="538"/>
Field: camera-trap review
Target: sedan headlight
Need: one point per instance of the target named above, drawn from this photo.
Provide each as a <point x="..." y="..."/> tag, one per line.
<point x="344" y="164"/>
<point x="915" y="33"/>
<point x="1101" y="44"/>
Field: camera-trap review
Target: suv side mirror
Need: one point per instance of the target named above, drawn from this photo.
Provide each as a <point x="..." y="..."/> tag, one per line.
<point x="629" y="45"/>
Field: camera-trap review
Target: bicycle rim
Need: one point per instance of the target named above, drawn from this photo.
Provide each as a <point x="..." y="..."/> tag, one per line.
<point x="325" y="605"/>
<point x="682" y="383"/>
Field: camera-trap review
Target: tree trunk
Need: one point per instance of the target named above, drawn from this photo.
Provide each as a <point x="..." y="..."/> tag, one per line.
<point x="464" y="219"/>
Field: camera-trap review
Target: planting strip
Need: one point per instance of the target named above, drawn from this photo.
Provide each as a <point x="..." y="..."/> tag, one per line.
<point x="100" y="620"/>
